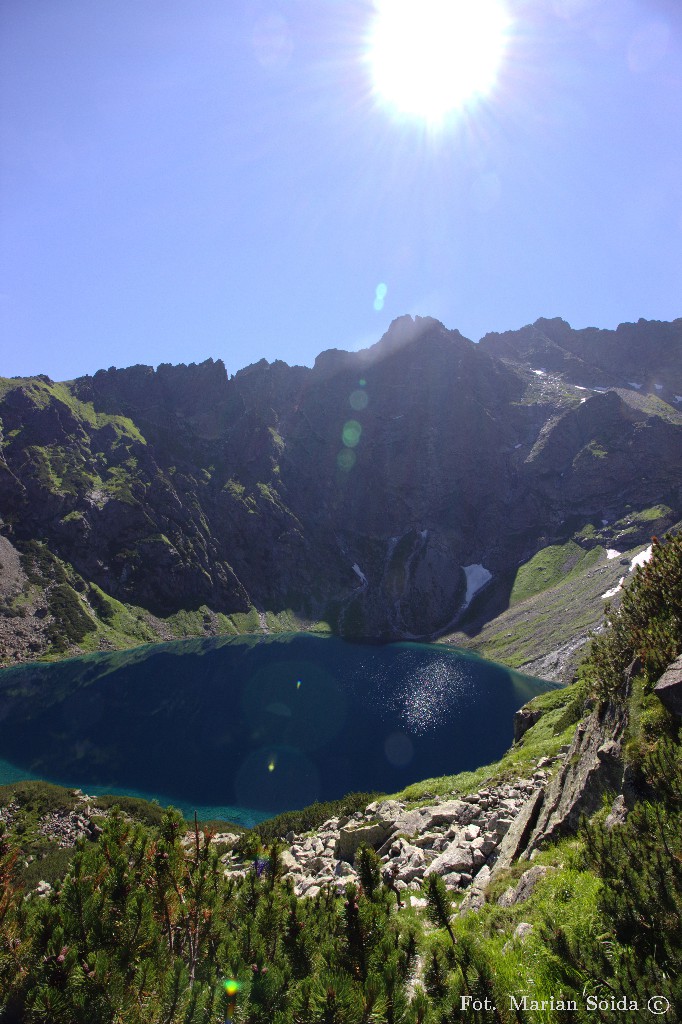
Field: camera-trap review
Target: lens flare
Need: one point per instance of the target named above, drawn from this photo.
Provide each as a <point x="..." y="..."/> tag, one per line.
<point x="345" y="460"/>
<point x="358" y="400"/>
<point x="350" y="435"/>
<point x="231" y="986"/>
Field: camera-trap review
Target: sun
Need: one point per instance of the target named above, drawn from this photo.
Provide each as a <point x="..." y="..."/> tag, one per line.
<point x="430" y="58"/>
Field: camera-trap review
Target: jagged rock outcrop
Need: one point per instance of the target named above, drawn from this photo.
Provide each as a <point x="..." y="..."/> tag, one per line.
<point x="362" y="491"/>
<point x="592" y="767"/>
<point x="524" y="719"/>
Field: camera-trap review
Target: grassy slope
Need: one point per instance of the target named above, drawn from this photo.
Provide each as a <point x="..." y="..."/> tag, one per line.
<point x="556" y="598"/>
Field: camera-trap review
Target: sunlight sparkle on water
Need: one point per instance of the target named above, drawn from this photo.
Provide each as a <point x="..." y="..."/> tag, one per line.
<point x="432" y="57"/>
<point x="434" y="689"/>
<point x="426" y="695"/>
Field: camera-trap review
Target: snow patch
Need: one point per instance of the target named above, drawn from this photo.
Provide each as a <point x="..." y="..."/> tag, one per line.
<point x="678" y="398"/>
<point x="477" y="577"/>
<point x="642" y="558"/>
<point x="579" y="387"/>
<point x="659" y="387"/>
<point x="612" y="553"/>
<point x="614" y="590"/>
<point x="518" y="446"/>
<point x="358" y="572"/>
<point x="540" y="373"/>
<point x="633" y="385"/>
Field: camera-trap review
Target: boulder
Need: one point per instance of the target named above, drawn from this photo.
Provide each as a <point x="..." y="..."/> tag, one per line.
<point x="448" y="812"/>
<point x="353" y="835"/>
<point x="594" y="766"/>
<point x="289" y="863"/>
<point x="618" y="813"/>
<point x="668" y="689"/>
<point x="524" y="718"/>
<point x="524" y="887"/>
<point x="454" y="858"/>
<point x="516" y="838"/>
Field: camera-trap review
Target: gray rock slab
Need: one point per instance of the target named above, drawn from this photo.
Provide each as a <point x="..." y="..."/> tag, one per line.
<point x="524" y="887"/>
<point x="353" y="835"/>
<point x="668" y="689"/>
<point x="515" y="840"/>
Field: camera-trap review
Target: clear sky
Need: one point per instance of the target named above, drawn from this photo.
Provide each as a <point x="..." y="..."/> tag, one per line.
<point x="192" y="178"/>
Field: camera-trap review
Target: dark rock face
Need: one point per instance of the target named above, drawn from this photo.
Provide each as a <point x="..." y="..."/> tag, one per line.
<point x="524" y="718"/>
<point x="359" y="490"/>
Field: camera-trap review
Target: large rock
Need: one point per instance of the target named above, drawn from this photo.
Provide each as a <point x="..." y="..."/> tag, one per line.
<point x="524" y="718"/>
<point x="524" y="887"/>
<point x="668" y="689"/>
<point x="352" y="837"/>
<point x="289" y="863"/>
<point x="419" y="820"/>
<point x="516" y="838"/>
<point x="454" y="858"/>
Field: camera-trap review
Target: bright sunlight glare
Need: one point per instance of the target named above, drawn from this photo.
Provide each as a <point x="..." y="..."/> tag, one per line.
<point x="432" y="57"/>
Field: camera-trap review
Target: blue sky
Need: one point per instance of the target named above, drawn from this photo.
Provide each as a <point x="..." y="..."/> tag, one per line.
<point x="192" y="178"/>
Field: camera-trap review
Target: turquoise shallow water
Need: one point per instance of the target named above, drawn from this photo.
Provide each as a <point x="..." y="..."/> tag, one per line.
<point x="244" y="727"/>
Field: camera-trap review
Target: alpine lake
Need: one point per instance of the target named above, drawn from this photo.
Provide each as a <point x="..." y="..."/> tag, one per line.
<point x="244" y="727"/>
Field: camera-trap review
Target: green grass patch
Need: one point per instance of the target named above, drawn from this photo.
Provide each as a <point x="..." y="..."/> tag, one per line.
<point x="234" y="488"/>
<point x="650" y="515"/>
<point x="549" y="567"/>
<point x="118" y="483"/>
<point x="597" y="450"/>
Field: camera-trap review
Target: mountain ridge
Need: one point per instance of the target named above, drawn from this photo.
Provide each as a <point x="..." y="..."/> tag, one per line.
<point x="355" y="493"/>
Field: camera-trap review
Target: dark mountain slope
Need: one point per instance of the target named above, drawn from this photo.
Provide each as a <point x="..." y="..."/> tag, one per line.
<point x="357" y="491"/>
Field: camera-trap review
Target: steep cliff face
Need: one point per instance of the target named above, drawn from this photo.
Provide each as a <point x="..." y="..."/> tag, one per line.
<point x="365" y="490"/>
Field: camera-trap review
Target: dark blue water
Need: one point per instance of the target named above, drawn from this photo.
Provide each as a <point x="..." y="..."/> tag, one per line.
<point x="243" y="727"/>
